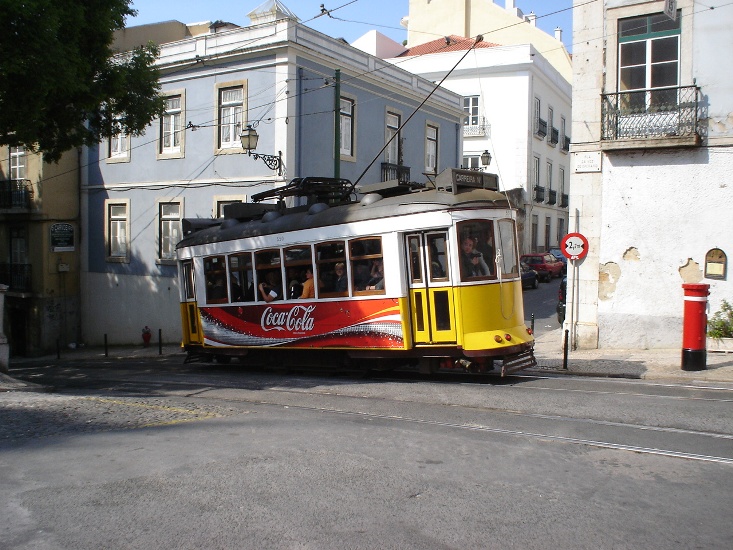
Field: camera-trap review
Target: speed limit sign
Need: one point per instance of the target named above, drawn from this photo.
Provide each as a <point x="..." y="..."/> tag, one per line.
<point x="574" y="246"/>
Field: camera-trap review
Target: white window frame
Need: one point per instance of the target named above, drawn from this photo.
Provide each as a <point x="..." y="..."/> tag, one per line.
<point x="231" y="116"/>
<point x="171" y="132"/>
<point x="471" y="162"/>
<point x="537" y="113"/>
<point x="117" y="227"/>
<point x="169" y="230"/>
<point x="549" y="176"/>
<point x="535" y="171"/>
<point x="432" y="135"/>
<point x="347" y="127"/>
<point x="18" y="163"/>
<point x="392" y="123"/>
<point x="471" y="108"/>
<point x="118" y="148"/>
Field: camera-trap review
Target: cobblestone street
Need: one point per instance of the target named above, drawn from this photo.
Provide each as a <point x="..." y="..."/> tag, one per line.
<point x="27" y="415"/>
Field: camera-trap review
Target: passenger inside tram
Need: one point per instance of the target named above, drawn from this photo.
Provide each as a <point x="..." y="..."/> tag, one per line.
<point x="271" y="288"/>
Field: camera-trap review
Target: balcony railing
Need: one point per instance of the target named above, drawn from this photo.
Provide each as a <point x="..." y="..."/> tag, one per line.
<point x="653" y="113"/>
<point x="16" y="276"/>
<point x="395" y="172"/>
<point x="564" y="200"/>
<point x="541" y="129"/>
<point x="554" y="136"/>
<point x="482" y="128"/>
<point x="16" y="194"/>
<point x="553" y="197"/>
<point x="539" y="194"/>
<point x="565" y="143"/>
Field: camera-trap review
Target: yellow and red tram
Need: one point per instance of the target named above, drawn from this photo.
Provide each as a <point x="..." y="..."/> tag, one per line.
<point x="425" y="277"/>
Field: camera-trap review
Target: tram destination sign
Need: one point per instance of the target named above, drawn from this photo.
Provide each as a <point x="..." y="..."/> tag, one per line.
<point x="62" y="237"/>
<point x="462" y="179"/>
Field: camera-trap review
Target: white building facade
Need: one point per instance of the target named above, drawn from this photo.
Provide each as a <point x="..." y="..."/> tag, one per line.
<point x="651" y="162"/>
<point x="517" y="108"/>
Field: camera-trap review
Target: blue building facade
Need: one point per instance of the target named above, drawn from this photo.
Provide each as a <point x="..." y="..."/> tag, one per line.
<point x="320" y="108"/>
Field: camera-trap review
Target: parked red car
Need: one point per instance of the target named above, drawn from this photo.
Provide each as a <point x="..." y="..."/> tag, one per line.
<point x="545" y="264"/>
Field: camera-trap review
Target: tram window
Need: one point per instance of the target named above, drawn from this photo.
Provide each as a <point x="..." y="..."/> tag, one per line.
<point x="241" y="277"/>
<point x="215" y="275"/>
<point x="331" y="269"/>
<point x="187" y="280"/>
<point x="413" y="242"/>
<point x="298" y="260"/>
<point x="367" y="265"/>
<point x="507" y="260"/>
<point x="437" y="257"/>
<point x="476" y="250"/>
<point x="269" y="277"/>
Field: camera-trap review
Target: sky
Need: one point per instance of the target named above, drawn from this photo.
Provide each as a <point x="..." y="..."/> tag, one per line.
<point x="350" y="18"/>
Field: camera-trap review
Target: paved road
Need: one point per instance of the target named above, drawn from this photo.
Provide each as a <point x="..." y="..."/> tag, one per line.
<point x="152" y="453"/>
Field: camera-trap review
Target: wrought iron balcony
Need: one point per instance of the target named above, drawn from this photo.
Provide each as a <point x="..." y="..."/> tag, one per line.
<point x="539" y="194"/>
<point x="541" y="129"/>
<point x="16" y="276"/>
<point x="482" y="128"/>
<point x="395" y="172"/>
<point x="564" y="200"/>
<point x="554" y="136"/>
<point x="16" y="194"/>
<point x="565" y="144"/>
<point x="652" y="113"/>
<point x="553" y="197"/>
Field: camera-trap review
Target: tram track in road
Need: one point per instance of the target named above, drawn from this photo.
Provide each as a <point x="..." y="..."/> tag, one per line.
<point x="613" y="414"/>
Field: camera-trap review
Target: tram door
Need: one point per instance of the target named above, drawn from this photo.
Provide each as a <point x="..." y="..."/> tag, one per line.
<point x="431" y="296"/>
<point x="192" y="333"/>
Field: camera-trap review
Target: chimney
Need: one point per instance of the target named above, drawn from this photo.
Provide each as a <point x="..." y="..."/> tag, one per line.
<point x="558" y="34"/>
<point x="532" y="19"/>
<point x="510" y="5"/>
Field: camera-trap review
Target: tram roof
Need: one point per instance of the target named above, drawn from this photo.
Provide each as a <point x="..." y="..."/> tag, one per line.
<point x="372" y="206"/>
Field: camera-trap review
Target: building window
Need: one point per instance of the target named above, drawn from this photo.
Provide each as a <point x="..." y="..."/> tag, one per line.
<point x="561" y="180"/>
<point x="535" y="230"/>
<point x="560" y="229"/>
<point x="231" y="113"/>
<point x="539" y="125"/>
<point x="563" y="137"/>
<point x="471" y="162"/>
<point x="118" y="231"/>
<point x="431" y="149"/>
<point x="118" y="146"/>
<point x="470" y="106"/>
<point x="548" y="227"/>
<point x="220" y="204"/>
<point x="169" y="229"/>
<point x="346" y="127"/>
<point x="394" y="149"/>
<point x="171" y="128"/>
<point x="649" y="54"/>
<point x="17" y="163"/>
<point x="549" y="175"/>
<point x="536" y="171"/>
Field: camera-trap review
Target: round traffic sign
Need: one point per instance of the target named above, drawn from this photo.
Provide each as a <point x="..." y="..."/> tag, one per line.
<point x="574" y="246"/>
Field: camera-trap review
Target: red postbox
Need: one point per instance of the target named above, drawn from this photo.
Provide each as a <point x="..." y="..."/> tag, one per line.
<point x="694" y="328"/>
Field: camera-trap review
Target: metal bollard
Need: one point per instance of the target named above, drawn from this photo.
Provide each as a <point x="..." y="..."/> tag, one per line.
<point x="532" y="325"/>
<point x="160" y="341"/>
<point x="565" y="350"/>
<point x="106" y="351"/>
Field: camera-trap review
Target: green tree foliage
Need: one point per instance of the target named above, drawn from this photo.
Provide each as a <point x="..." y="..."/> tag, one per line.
<point x="721" y="324"/>
<point x="61" y="85"/>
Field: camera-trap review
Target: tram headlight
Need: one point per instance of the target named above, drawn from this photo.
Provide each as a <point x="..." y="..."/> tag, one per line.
<point x="498" y="339"/>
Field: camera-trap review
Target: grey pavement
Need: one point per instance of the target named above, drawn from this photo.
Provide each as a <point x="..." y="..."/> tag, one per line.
<point x="656" y="364"/>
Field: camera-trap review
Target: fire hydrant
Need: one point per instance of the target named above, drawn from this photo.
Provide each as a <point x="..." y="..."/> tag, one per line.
<point x="146" y="336"/>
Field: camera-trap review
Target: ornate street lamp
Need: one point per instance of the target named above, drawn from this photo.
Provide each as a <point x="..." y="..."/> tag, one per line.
<point x="485" y="158"/>
<point x="249" y="139"/>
